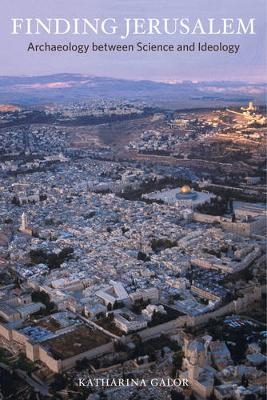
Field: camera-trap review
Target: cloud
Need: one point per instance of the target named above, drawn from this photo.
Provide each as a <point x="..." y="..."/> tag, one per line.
<point x="48" y="85"/>
<point x="240" y="89"/>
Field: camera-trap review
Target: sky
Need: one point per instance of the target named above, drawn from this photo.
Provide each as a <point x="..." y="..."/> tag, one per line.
<point x="249" y="64"/>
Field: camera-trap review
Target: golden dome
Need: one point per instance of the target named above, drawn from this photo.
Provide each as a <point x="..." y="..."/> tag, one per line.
<point x="185" y="189"/>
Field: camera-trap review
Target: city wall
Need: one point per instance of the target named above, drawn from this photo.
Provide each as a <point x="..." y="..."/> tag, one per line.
<point x="5" y="332"/>
<point x="241" y="228"/>
<point x="32" y="351"/>
<point x="54" y="365"/>
<point x="248" y="228"/>
<point x="90" y="354"/>
<point x="206" y="218"/>
<point x="162" y="329"/>
<point x="36" y="352"/>
<point x="234" y="306"/>
<point x="19" y="337"/>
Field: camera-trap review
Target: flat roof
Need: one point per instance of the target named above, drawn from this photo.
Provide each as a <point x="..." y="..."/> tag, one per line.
<point x="74" y="342"/>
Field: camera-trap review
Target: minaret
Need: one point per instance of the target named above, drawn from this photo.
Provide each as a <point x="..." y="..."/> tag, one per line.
<point x="24" y="223"/>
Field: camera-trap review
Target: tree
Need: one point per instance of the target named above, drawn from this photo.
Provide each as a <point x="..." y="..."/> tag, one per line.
<point x="137" y="340"/>
<point x="24" y="363"/>
<point x="250" y="396"/>
<point x="60" y="382"/>
<point x="176" y="395"/>
<point x="111" y="316"/>
<point x="139" y="305"/>
<point x="40" y="296"/>
<point x="82" y="364"/>
<point x="152" y="355"/>
<point x="118" y="304"/>
<point x="124" y="229"/>
<point x="42" y="197"/>
<point x="174" y="373"/>
<point x="142" y="256"/>
<point x="100" y="315"/>
<point x="109" y="307"/>
<point x="66" y="253"/>
<point x="177" y="359"/>
<point x="192" y="396"/>
<point x="244" y="381"/>
<point x="103" y="395"/>
<point x="263" y="347"/>
<point x="15" y="201"/>
<point x="38" y="256"/>
<point x="53" y="261"/>
<point x="161" y="244"/>
<point x="119" y="346"/>
<point x="43" y="297"/>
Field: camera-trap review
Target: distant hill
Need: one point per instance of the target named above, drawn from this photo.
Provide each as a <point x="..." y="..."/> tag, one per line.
<point x="32" y="90"/>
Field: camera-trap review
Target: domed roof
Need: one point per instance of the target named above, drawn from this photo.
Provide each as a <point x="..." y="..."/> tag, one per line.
<point x="185" y="189"/>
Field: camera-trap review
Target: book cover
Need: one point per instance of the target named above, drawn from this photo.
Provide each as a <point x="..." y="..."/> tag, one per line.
<point x="132" y="201"/>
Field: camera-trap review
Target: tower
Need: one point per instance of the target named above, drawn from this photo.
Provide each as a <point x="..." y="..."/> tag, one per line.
<point x="196" y="358"/>
<point x="251" y="106"/>
<point x="24" y="227"/>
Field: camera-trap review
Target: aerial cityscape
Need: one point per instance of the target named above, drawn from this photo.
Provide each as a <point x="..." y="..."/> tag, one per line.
<point x="132" y="239"/>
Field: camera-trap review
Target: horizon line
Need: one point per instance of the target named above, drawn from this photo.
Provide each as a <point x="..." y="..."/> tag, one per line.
<point x="168" y="81"/>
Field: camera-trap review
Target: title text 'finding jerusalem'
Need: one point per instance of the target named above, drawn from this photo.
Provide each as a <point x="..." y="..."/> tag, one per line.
<point x="133" y="26"/>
